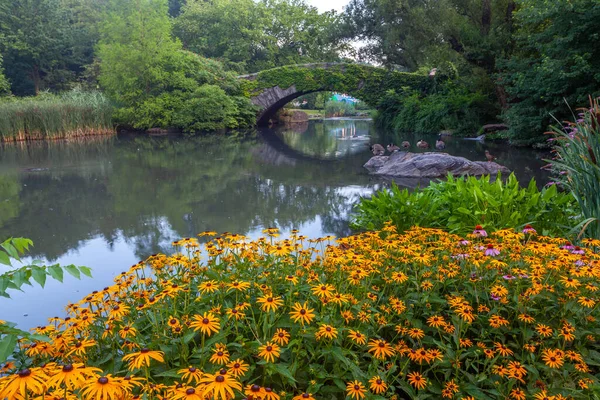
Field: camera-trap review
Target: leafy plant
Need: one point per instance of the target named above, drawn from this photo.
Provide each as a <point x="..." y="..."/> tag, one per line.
<point x="11" y="249"/>
<point x="459" y="204"/>
<point x="577" y="163"/>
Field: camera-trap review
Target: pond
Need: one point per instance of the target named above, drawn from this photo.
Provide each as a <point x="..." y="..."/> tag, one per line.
<point x="108" y="202"/>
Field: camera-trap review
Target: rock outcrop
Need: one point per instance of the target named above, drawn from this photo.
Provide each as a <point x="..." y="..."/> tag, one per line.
<point x="430" y="165"/>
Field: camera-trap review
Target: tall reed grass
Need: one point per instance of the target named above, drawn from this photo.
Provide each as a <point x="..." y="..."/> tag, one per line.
<point x="49" y="116"/>
<point x="577" y="163"/>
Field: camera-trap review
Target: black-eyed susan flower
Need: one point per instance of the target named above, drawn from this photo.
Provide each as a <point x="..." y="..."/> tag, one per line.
<point x="270" y="303"/>
<point x="281" y="337"/>
<point x="190" y="374"/>
<point x="220" y="356"/>
<point x="22" y="383"/>
<point x="207" y="323"/>
<point x="221" y="385"/>
<point x="208" y="286"/>
<point x="380" y="349"/>
<point x="304" y="396"/>
<point x="377" y="385"/>
<point x="552" y="358"/>
<point x="269" y="351"/>
<point x="71" y="376"/>
<point x="254" y="391"/>
<point x="355" y="390"/>
<point x="237" y="368"/>
<point x="143" y="357"/>
<point x="189" y="393"/>
<point x="270" y="394"/>
<point x="104" y="388"/>
<point x="543" y="330"/>
<point x="357" y="337"/>
<point x="326" y="332"/>
<point x="417" y="380"/>
<point x="302" y="313"/>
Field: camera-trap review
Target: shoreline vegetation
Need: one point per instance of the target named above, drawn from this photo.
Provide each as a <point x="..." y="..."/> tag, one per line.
<point x="50" y="117"/>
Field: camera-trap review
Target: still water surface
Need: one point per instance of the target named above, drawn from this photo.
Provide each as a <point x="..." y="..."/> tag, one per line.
<point x="108" y="202"/>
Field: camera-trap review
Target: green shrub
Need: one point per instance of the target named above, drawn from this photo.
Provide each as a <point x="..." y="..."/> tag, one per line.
<point x="459" y="204"/>
<point x="576" y="164"/>
<point x="339" y="109"/>
<point x="49" y="116"/>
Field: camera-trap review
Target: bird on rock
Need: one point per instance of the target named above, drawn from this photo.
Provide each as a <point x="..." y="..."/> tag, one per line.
<point x="377" y="150"/>
<point x="489" y="157"/>
<point x="422" y="144"/>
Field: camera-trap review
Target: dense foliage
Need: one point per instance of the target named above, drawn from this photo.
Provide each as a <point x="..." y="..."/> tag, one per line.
<point x="556" y="62"/>
<point x="156" y="83"/>
<point x="577" y="165"/>
<point x="458" y="204"/>
<point x="259" y="35"/>
<point x="417" y="315"/>
<point x="49" y="116"/>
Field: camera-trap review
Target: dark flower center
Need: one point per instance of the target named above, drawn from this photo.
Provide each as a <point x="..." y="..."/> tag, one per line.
<point x="381" y="344"/>
<point x="379" y="381"/>
<point x="303" y="311"/>
<point x="190" y="391"/>
<point x="220" y="379"/>
<point x="24" y="373"/>
<point x="223" y="372"/>
<point x="103" y="380"/>
<point x="220" y="353"/>
<point x="192" y="369"/>
<point x="328" y="329"/>
<point x="144" y="350"/>
<point x="205" y="321"/>
<point x="269" y="348"/>
<point x="356" y="387"/>
<point x="268" y="390"/>
<point x="306" y="395"/>
<point x="269" y="299"/>
<point x="68" y="368"/>
<point x="255" y="388"/>
<point x="236" y="365"/>
<point x="173" y="321"/>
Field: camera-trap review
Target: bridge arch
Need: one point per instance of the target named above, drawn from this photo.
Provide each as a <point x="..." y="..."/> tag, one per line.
<point x="273" y="88"/>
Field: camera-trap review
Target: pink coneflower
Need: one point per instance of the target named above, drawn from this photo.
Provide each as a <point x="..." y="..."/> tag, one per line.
<point x="577" y="250"/>
<point x="479" y="231"/>
<point x="529" y="230"/>
<point x="491" y="251"/>
<point x="464" y="242"/>
<point x="460" y="256"/>
<point x="567" y="246"/>
<point x="509" y="277"/>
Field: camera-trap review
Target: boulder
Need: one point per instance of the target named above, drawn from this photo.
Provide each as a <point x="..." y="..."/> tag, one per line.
<point x="430" y="165"/>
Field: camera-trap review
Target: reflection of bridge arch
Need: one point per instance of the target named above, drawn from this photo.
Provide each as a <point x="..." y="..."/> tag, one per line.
<point x="272" y="89"/>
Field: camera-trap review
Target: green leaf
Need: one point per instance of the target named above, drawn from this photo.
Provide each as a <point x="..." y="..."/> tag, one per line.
<point x="7" y="347"/>
<point x="285" y="372"/>
<point x="72" y="270"/>
<point x="39" y="275"/>
<point x="56" y="272"/>
<point x="4" y="258"/>
<point x="87" y="271"/>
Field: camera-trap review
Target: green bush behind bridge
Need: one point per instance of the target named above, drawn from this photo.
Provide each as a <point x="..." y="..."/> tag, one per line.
<point x="364" y="82"/>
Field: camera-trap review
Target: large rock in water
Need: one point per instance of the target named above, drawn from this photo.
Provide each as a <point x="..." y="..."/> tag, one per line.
<point x="430" y="165"/>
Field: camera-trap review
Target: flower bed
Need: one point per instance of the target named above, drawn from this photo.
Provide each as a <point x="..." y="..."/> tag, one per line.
<point x="425" y="314"/>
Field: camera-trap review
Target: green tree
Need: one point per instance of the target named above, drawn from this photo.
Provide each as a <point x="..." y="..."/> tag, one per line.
<point x="251" y="36"/>
<point x="557" y="61"/>
<point x="144" y="69"/>
<point x="45" y="42"/>
<point x="4" y="83"/>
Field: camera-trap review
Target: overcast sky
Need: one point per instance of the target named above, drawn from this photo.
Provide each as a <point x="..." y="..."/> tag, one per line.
<point x="326" y="5"/>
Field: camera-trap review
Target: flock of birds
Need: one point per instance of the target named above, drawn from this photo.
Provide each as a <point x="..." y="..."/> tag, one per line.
<point x="379" y="150"/>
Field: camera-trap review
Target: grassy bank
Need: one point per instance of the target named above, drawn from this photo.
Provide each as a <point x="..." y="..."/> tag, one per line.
<point x="51" y="116"/>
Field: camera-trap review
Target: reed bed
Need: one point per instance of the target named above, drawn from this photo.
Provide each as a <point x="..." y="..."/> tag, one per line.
<point x="577" y="163"/>
<point x="67" y="115"/>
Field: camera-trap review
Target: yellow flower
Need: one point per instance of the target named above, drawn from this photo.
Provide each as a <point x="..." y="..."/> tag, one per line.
<point x="377" y="386"/>
<point x="221" y="385"/>
<point x="357" y="337"/>
<point x="104" y="388"/>
<point x="237" y="368"/>
<point x="355" y="389"/>
<point x="18" y="385"/>
<point x="270" y="303"/>
<point x="190" y="374"/>
<point x="72" y="376"/>
<point x="269" y="351"/>
<point x="142" y="358"/>
<point x="380" y="349"/>
<point x="302" y="313"/>
<point x="207" y="324"/>
<point x="327" y="332"/>
<point x="417" y="380"/>
<point x="281" y="337"/>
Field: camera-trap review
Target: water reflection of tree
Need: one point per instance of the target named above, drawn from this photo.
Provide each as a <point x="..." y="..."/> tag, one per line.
<point x="152" y="190"/>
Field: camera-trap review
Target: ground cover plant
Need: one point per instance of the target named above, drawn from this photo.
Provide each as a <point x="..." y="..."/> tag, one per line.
<point x="424" y="314"/>
<point x="48" y="116"/>
<point x="458" y="204"/>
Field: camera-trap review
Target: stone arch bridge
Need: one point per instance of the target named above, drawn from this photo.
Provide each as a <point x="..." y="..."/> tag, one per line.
<point x="273" y="88"/>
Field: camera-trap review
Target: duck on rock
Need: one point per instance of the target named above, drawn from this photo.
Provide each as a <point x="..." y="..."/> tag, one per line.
<point x="405" y="144"/>
<point x="377" y="149"/>
<point x="439" y="144"/>
<point x="422" y="144"/>
<point x="392" y="148"/>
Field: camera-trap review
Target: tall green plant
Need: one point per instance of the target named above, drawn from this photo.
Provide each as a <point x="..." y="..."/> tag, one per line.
<point x="459" y="204"/>
<point x="10" y="251"/>
<point x="577" y="165"/>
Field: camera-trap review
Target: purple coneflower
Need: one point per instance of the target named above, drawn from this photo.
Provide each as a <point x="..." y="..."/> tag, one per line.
<point x="491" y="251"/>
<point x="509" y="277"/>
<point x="577" y="250"/>
<point x="479" y="231"/>
<point x="529" y="229"/>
